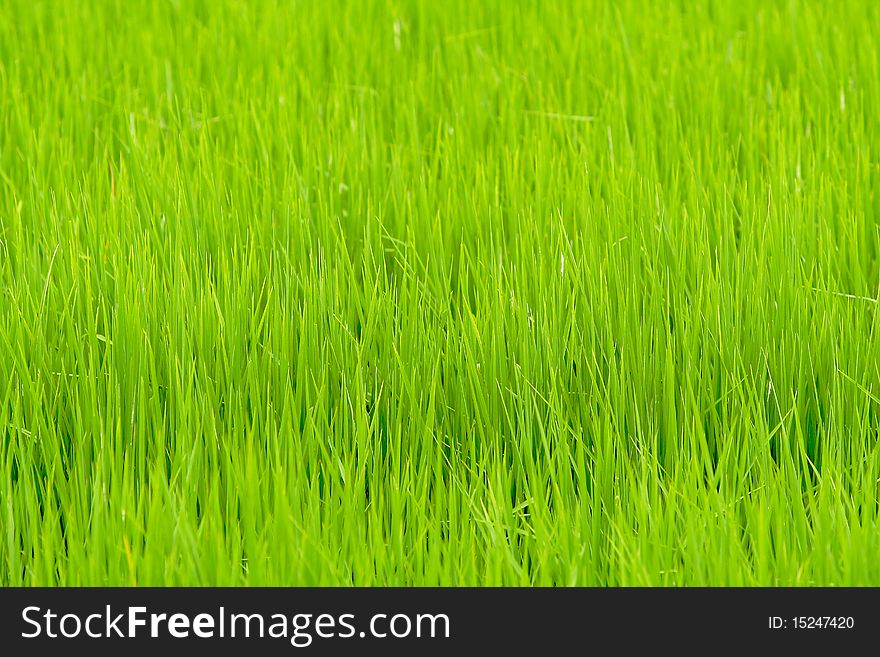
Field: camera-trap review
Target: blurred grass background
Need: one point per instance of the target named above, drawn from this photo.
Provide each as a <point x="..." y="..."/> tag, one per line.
<point x="445" y="293"/>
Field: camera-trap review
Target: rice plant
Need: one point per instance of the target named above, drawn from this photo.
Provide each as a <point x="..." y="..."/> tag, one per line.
<point x="439" y="293"/>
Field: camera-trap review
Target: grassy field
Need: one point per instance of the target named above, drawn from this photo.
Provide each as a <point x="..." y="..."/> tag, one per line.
<point x="419" y="293"/>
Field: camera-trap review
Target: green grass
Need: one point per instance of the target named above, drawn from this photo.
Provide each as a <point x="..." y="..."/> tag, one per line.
<point x="429" y="293"/>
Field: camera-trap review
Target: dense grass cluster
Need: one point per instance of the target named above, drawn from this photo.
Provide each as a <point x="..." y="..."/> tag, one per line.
<point x="452" y="292"/>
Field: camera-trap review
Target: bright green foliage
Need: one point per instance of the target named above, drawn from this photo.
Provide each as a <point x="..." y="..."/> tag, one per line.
<point x="454" y="292"/>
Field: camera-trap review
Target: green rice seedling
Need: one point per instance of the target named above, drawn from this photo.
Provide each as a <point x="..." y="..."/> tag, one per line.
<point x="439" y="293"/>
